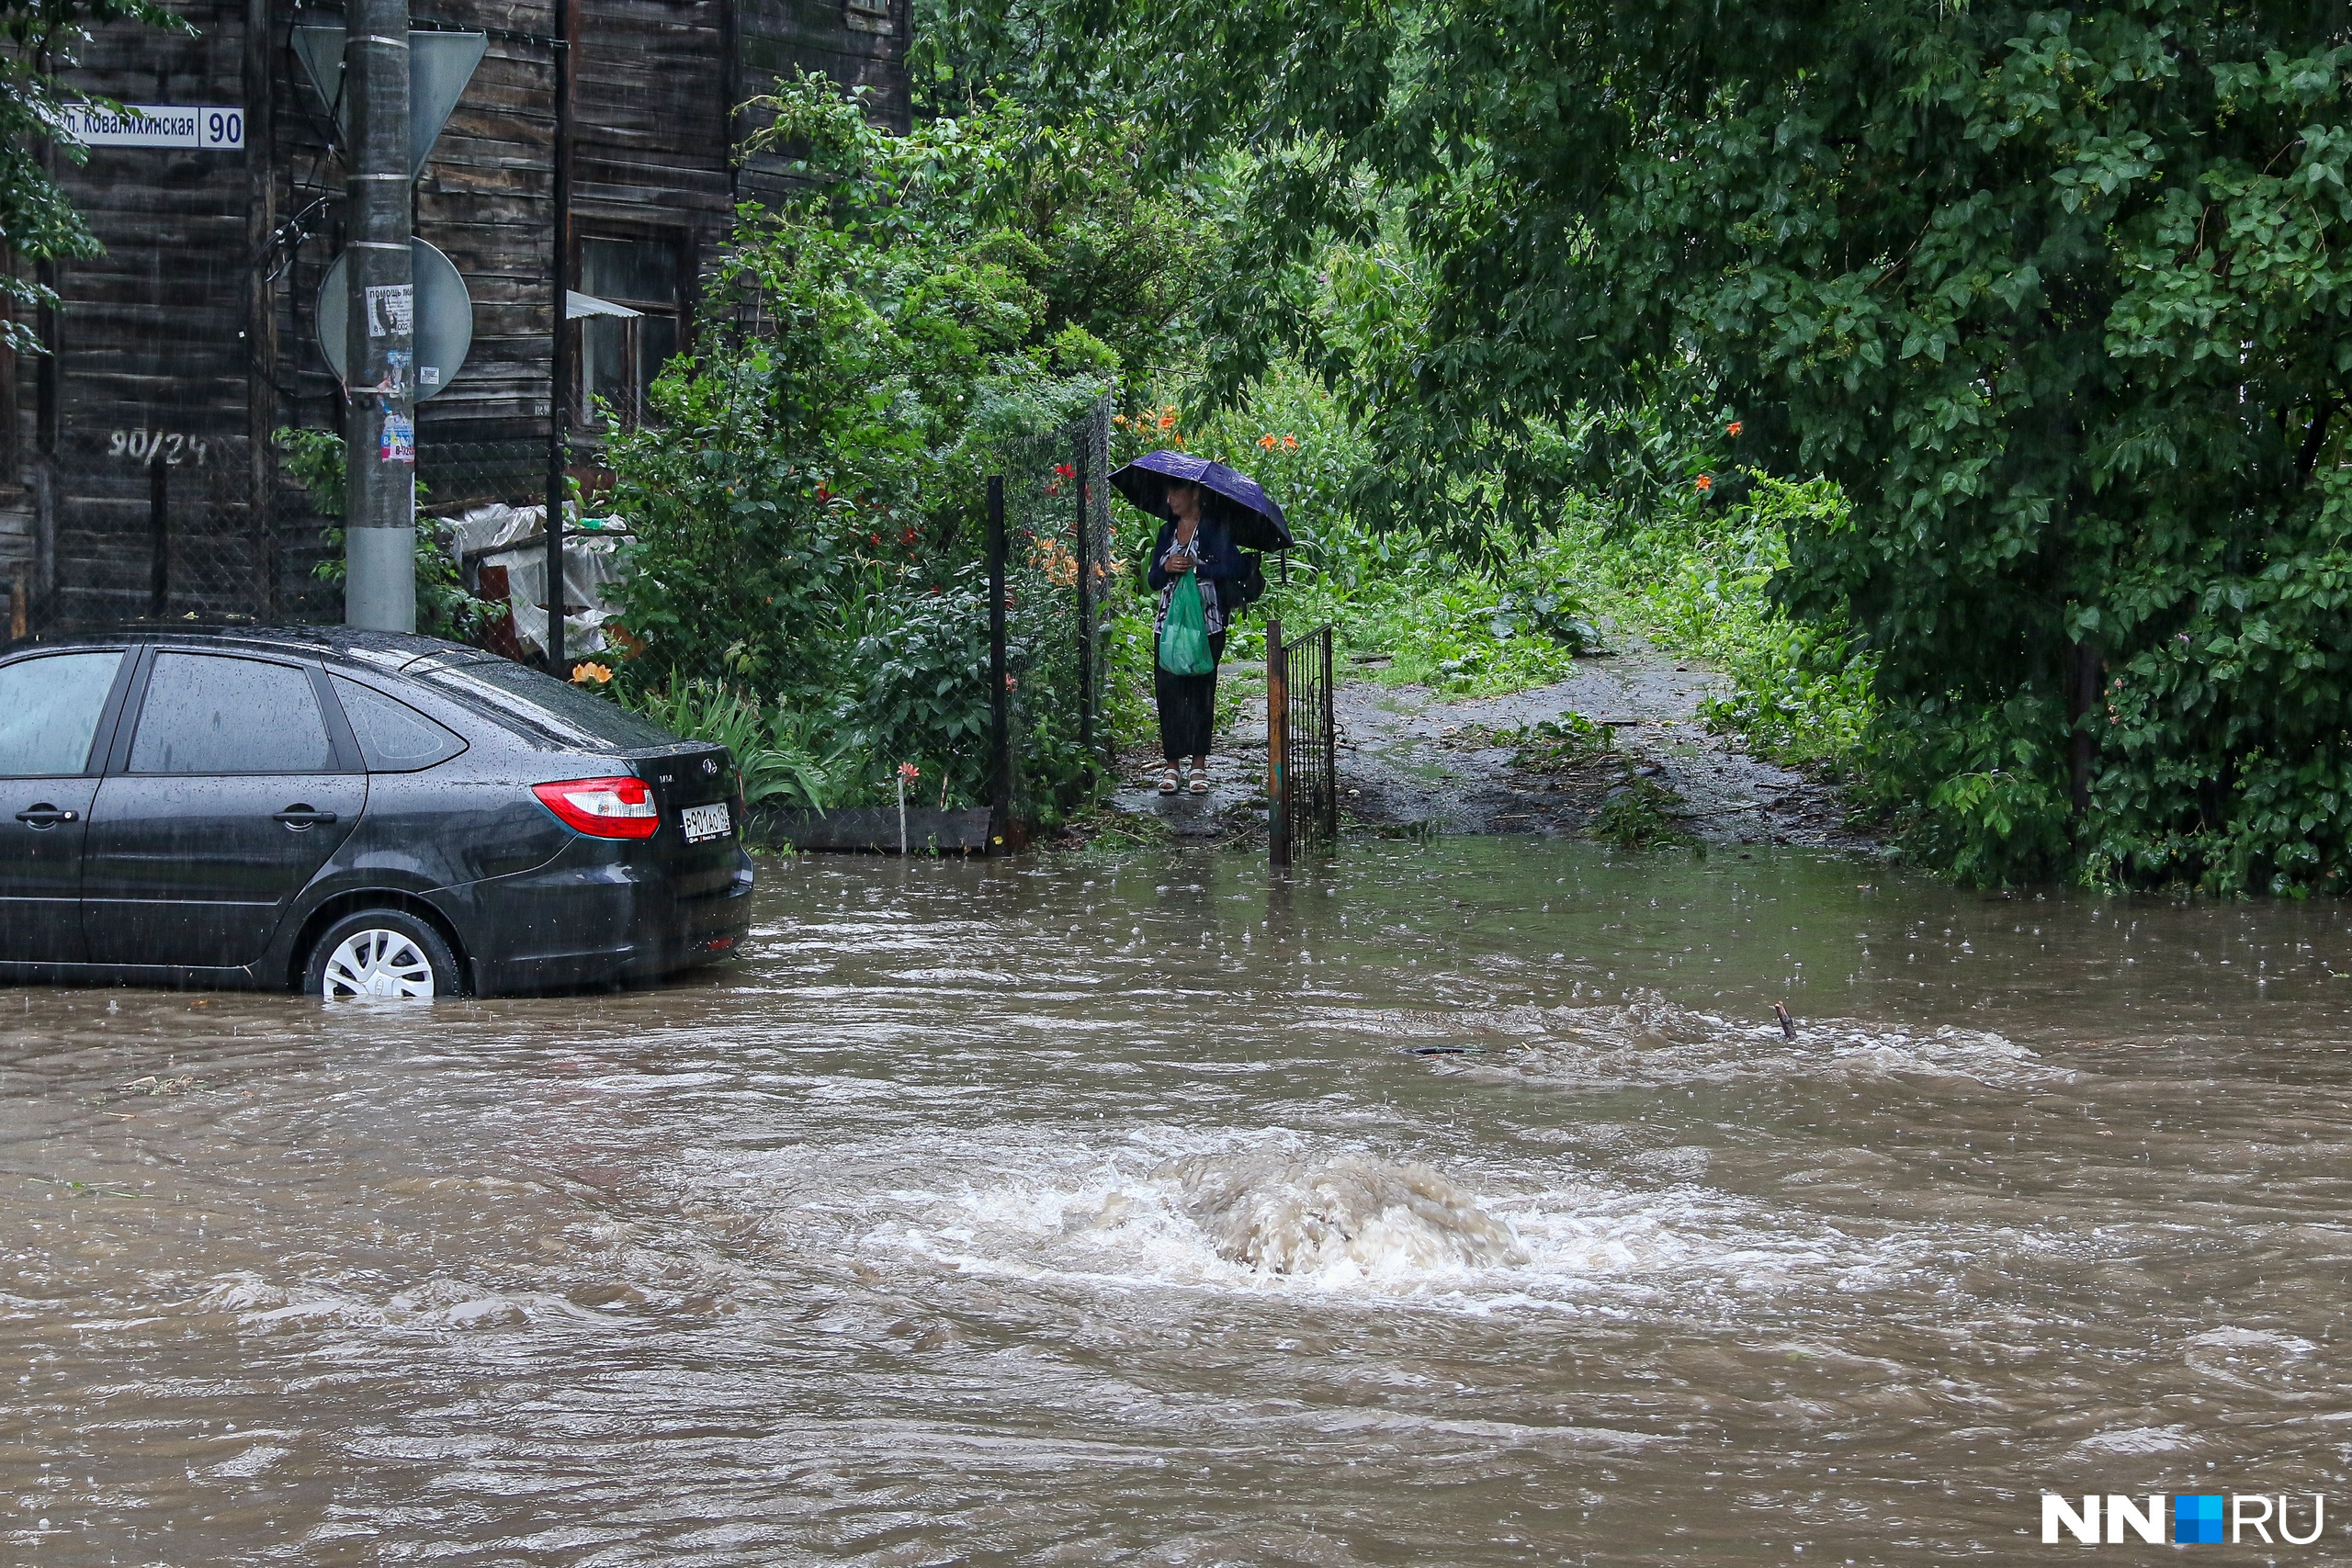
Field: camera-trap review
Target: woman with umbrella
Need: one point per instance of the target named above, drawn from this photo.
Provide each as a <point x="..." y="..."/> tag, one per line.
<point x="1209" y="512"/>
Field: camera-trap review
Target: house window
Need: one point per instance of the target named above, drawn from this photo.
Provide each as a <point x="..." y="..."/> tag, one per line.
<point x="621" y="357"/>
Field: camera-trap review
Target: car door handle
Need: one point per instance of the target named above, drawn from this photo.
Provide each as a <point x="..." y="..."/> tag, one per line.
<point x="298" y="817"/>
<point x="46" y="816"/>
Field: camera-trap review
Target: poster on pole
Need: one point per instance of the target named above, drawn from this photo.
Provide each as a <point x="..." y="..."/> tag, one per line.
<point x="399" y="438"/>
<point x="392" y="310"/>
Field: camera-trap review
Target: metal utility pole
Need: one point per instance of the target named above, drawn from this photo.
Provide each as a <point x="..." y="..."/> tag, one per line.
<point x="559" y="371"/>
<point x="379" y="448"/>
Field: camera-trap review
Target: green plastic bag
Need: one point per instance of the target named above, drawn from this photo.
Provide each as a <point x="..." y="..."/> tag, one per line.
<point x="1184" y="636"/>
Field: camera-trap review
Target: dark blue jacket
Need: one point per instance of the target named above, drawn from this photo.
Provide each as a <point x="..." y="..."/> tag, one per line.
<point x="1220" y="559"/>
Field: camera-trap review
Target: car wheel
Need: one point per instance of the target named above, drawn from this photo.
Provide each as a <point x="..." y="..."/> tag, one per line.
<point x="381" y="952"/>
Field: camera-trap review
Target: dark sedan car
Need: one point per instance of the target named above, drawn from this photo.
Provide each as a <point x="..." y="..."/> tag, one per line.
<point x="353" y="814"/>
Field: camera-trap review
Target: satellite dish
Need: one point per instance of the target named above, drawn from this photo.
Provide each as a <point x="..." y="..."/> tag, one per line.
<point x="445" y="319"/>
<point x="440" y="66"/>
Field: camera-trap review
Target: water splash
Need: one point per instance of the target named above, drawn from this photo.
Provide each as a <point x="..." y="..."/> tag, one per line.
<point x="1286" y="1215"/>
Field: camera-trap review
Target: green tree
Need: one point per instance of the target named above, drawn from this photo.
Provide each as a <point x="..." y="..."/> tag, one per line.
<point x="39" y="42"/>
<point x="805" y="503"/>
<point x="2058" y="294"/>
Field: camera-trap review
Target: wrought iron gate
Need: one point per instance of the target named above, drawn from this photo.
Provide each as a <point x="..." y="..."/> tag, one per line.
<point x="1302" y="744"/>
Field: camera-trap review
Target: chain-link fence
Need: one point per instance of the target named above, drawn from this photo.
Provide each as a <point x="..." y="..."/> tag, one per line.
<point x="153" y="527"/>
<point x="137" y="525"/>
<point x="1057" y="580"/>
<point x="1013" y="712"/>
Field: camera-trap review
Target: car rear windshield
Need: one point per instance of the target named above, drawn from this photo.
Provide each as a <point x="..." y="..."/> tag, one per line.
<point x="542" y="707"/>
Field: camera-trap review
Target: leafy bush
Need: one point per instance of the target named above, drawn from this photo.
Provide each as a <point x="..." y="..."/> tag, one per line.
<point x="1697" y="576"/>
<point x="1640" y="814"/>
<point x="315" y="459"/>
<point x="807" y="500"/>
<point x="925" y="697"/>
<point x="776" y="758"/>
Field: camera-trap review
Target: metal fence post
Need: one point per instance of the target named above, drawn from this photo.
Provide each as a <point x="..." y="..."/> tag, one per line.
<point x="999" y="717"/>
<point x="1277" y="746"/>
<point x="560" y="368"/>
<point x="1330" y="743"/>
<point x="159" y="539"/>
<point x="1084" y="555"/>
<point x="1098" y="544"/>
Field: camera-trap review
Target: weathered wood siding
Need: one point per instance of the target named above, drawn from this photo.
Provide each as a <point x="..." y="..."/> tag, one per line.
<point x="151" y="349"/>
<point x="163" y="338"/>
<point x="859" y="43"/>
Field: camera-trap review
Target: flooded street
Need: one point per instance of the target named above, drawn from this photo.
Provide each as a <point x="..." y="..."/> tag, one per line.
<point x="1453" y="1203"/>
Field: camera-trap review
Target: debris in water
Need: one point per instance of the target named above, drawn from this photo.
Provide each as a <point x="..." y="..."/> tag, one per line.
<point x="1447" y="1051"/>
<point x="90" y="1189"/>
<point x="151" y="1084"/>
<point x="1788" y="1024"/>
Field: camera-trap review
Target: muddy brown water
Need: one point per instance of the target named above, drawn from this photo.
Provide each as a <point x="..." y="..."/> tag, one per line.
<point x="1082" y="1211"/>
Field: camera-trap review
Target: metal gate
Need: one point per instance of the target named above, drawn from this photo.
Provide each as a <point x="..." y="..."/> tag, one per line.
<point x="1302" y="744"/>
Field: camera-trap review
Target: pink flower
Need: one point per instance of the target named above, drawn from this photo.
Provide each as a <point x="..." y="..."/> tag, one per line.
<point x="909" y="771"/>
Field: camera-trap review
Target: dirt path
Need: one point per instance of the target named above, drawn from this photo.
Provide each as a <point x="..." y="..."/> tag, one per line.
<point x="1410" y="758"/>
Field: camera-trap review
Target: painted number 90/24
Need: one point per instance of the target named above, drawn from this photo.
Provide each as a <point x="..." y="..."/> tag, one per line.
<point x="168" y="447"/>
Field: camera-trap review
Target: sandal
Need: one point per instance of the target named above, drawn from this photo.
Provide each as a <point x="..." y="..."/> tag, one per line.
<point x="1168" y="781"/>
<point x="1199" y="781"/>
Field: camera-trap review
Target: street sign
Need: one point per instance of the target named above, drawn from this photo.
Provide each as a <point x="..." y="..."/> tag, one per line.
<point x="440" y="311"/>
<point x="440" y="66"/>
<point x="209" y="127"/>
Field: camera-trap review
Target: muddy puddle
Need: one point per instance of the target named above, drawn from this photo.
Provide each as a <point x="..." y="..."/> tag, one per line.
<point x="1455" y="1202"/>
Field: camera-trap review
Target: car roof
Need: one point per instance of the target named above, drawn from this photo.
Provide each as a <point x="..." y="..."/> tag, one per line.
<point x="387" y="652"/>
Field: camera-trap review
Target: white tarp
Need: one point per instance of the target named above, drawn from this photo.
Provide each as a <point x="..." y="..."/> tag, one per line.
<point x="515" y="538"/>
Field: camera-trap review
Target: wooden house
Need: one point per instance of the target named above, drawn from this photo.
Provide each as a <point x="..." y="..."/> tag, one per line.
<point x="137" y="470"/>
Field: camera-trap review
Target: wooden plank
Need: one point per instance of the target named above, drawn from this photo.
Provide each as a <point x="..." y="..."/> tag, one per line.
<point x="872" y="829"/>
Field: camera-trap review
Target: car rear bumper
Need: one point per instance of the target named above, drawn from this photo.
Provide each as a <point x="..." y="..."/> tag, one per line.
<point x="596" y="916"/>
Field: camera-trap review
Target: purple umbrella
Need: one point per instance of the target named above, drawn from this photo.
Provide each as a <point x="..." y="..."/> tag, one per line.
<point x="1250" y="515"/>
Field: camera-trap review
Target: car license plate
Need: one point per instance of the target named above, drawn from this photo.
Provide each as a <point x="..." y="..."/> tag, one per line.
<point x="707" y="822"/>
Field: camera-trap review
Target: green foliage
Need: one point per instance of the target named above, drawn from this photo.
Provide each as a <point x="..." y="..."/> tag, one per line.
<point x="40" y="44"/>
<point x="1693" y="573"/>
<point x="1049" y="218"/>
<point x="1565" y="744"/>
<point x="962" y="55"/>
<point x="1992" y="817"/>
<point x="807" y="501"/>
<point x="315" y="459"/>
<point x="1640" y="814"/>
<point x="778" y="758"/>
<point x="924" y="697"/>
<point x="2056" y="298"/>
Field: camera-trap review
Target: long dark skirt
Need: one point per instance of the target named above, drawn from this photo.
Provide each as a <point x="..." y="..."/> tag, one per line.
<point x="1188" y="707"/>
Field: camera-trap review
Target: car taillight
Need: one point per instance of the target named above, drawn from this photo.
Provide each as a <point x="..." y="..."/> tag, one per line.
<point x="603" y="809"/>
